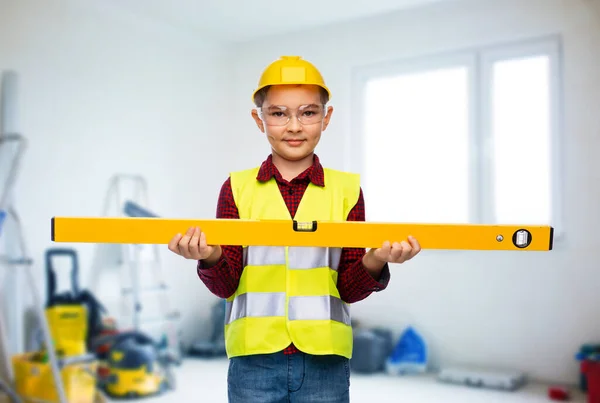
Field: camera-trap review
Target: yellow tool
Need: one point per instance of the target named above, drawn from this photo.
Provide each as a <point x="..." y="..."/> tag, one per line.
<point x="155" y="230"/>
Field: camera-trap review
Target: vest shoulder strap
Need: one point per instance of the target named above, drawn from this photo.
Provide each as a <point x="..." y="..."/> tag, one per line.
<point x="349" y="179"/>
<point x="349" y="183"/>
<point x="242" y="186"/>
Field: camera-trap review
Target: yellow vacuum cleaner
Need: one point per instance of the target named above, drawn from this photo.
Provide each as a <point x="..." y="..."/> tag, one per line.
<point x="137" y="367"/>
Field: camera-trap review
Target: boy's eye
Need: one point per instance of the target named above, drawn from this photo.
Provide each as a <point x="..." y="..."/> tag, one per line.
<point x="310" y="108"/>
<point x="277" y="114"/>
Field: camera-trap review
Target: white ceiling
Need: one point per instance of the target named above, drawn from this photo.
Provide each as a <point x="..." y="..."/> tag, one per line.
<point x="239" y="20"/>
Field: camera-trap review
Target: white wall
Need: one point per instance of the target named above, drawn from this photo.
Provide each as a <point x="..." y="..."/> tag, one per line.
<point x="101" y="93"/>
<point x="526" y="311"/>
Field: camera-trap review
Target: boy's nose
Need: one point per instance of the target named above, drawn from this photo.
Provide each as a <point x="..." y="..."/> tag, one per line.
<point x="294" y="124"/>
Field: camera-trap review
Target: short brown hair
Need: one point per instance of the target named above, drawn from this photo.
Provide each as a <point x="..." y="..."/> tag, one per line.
<point x="261" y="95"/>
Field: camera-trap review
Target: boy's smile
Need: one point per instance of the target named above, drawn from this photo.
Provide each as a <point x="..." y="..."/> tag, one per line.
<point x="293" y="118"/>
<point x="294" y="143"/>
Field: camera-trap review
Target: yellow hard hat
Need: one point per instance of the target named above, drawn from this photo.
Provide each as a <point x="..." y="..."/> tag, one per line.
<point x="291" y="70"/>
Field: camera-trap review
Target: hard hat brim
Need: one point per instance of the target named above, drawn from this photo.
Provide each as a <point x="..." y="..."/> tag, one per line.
<point x="291" y="83"/>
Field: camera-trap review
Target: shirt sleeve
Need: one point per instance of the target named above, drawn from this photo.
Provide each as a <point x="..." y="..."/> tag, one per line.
<point x="355" y="283"/>
<point x="223" y="278"/>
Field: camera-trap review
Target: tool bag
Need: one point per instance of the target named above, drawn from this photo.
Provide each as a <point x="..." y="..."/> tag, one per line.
<point x="74" y="316"/>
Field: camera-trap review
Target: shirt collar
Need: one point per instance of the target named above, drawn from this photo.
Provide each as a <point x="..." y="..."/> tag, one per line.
<point x="314" y="173"/>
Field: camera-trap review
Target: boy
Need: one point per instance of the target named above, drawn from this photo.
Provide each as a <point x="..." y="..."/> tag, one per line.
<point x="288" y="331"/>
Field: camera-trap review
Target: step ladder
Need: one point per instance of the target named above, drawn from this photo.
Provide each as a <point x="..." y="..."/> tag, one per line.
<point x="18" y="259"/>
<point x="145" y="293"/>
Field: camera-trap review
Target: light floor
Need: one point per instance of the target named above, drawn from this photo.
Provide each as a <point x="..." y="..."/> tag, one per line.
<point x="205" y="381"/>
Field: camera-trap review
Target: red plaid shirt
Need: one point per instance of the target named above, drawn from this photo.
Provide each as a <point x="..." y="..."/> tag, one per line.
<point x="354" y="282"/>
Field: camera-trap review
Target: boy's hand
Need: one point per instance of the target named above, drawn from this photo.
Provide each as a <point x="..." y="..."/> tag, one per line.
<point x="193" y="245"/>
<point x="398" y="252"/>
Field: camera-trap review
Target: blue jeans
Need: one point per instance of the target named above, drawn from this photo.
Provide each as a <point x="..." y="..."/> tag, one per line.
<point x="295" y="378"/>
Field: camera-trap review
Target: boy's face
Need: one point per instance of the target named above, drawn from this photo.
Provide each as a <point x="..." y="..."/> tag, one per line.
<point x="294" y="140"/>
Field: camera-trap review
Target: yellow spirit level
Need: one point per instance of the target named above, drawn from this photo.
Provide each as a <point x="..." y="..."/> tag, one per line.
<point x="154" y="230"/>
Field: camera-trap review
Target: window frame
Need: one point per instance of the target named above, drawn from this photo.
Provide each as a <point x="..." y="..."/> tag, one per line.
<point x="479" y="62"/>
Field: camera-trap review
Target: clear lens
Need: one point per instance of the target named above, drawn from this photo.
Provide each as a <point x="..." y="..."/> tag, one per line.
<point x="276" y="115"/>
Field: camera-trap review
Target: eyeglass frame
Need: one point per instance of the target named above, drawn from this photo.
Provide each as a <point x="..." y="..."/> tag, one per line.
<point x="295" y="114"/>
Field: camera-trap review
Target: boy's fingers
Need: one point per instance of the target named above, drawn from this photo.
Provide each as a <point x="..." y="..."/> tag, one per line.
<point x="183" y="251"/>
<point x="416" y="247"/>
<point x="396" y="251"/>
<point x="203" y="244"/>
<point x="406" y="251"/>
<point x="386" y="250"/>
<point x="174" y="243"/>
<point x="184" y="245"/>
<point x="185" y="239"/>
<point x="194" y="243"/>
<point x="190" y="232"/>
<point x="383" y="253"/>
<point x="204" y="248"/>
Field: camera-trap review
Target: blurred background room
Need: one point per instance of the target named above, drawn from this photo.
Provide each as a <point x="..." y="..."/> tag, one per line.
<point x="453" y="111"/>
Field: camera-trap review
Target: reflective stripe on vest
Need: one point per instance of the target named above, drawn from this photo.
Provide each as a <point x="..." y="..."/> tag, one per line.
<point x="299" y="257"/>
<point x="300" y="308"/>
<point x="255" y="304"/>
<point x="319" y="308"/>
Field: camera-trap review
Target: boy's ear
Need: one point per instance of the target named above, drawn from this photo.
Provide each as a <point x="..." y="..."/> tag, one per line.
<point x="327" y="117"/>
<point x="258" y="120"/>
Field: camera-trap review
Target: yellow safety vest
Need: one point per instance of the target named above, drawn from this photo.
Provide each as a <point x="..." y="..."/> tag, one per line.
<point x="289" y="294"/>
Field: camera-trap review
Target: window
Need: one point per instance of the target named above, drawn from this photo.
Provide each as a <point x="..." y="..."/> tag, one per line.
<point x="521" y="140"/>
<point x="463" y="138"/>
<point x="425" y="111"/>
